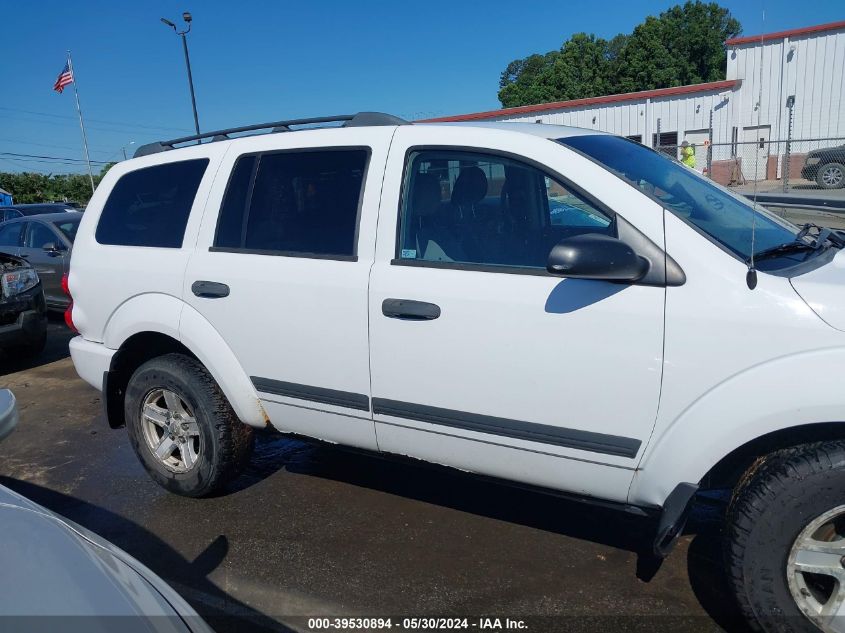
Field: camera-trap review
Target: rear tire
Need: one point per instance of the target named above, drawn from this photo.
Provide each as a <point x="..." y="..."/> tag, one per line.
<point x="175" y="408"/>
<point x="784" y="495"/>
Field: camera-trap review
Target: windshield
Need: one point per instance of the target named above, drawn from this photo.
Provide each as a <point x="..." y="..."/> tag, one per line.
<point x="68" y="227"/>
<point x="724" y="216"/>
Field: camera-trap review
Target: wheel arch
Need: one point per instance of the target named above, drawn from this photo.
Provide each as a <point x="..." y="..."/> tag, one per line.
<point x="131" y="354"/>
<point x="789" y="400"/>
<point x="728" y="471"/>
<point x="186" y="332"/>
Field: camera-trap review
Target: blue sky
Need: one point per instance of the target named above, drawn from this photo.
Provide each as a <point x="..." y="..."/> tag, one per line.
<point x="264" y="61"/>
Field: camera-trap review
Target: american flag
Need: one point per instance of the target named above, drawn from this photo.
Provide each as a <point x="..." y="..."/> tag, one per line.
<point x="65" y="79"/>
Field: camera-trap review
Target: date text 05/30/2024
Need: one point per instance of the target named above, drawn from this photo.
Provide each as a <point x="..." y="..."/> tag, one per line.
<point x="417" y="624"/>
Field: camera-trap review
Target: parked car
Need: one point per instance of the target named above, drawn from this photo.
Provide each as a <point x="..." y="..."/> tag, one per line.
<point x="23" y="322"/>
<point x="826" y="166"/>
<point x="20" y="210"/>
<point x="45" y="241"/>
<point x="420" y="289"/>
<point x="54" y="567"/>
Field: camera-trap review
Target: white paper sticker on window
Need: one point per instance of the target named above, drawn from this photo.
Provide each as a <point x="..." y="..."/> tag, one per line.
<point x="409" y="253"/>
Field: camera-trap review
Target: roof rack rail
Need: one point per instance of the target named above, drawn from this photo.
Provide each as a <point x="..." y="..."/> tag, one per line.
<point x="360" y="119"/>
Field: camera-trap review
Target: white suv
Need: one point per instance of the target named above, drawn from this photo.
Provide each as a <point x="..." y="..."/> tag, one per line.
<point x="548" y="305"/>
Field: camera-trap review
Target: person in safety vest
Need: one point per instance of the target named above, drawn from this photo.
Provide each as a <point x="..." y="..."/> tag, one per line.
<point x="688" y="154"/>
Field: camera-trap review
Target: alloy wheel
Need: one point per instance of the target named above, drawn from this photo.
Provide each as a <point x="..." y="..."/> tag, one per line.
<point x="816" y="571"/>
<point x="171" y="430"/>
<point x="832" y="176"/>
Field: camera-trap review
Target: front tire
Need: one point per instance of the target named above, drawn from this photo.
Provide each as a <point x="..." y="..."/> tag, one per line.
<point x="785" y="540"/>
<point x="183" y="428"/>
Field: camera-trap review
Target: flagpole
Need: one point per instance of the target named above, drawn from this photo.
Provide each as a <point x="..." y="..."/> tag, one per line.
<point x="81" y="124"/>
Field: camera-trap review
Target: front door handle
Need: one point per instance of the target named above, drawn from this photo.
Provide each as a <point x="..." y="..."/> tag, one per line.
<point x="210" y="289"/>
<point x="410" y="310"/>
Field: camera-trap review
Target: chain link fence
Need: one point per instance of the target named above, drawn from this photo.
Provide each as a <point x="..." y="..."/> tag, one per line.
<point x="770" y="166"/>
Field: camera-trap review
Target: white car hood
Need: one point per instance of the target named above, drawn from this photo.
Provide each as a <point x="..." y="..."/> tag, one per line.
<point x="823" y="289"/>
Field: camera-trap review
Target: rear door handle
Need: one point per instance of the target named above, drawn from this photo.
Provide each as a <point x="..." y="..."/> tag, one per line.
<point x="210" y="289"/>
<point x="410" y="310"/>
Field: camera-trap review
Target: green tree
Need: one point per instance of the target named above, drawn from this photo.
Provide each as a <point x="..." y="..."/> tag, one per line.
<point x="683" y="45"/>
<point x="105" y="169"/>
<point x="28" y="187"/>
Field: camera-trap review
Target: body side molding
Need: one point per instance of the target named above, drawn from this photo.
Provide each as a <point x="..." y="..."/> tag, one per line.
<point x="517" y="429"/>
<point x="315" y="394"/>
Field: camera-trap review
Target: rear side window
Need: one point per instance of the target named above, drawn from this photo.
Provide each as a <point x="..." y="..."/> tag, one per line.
<point x="39" y="236"/>
<point x="68" y="229"/>
<point x="302" y="203"/>
<point x="150" y="207"/>
<point x="10" y="234"/>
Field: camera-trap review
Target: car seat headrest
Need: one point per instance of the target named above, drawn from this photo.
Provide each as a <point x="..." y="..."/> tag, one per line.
<point x="470" y="187"/>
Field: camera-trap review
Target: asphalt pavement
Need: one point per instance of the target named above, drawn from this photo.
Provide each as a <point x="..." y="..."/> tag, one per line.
<point x="312" y="530"/>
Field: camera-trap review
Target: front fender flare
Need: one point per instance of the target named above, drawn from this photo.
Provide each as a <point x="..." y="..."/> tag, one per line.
<point x="790" y="391"/>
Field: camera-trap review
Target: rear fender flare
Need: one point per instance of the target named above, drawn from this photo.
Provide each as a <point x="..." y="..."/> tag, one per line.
<point x="172" y="317"/>
<point x="199" y="336"/>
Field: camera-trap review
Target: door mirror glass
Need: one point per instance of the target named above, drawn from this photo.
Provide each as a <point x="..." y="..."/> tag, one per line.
<point x="596" y="256"/>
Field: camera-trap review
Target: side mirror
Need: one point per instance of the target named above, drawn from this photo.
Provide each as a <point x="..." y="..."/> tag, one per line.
<point x="51" y="248"/>
<point x="8" y="413"/>
<point x="596" y="256"/>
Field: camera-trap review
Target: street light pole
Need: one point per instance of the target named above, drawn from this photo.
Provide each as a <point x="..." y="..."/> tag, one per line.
<point x="191" y="83"/>
<point x="188" y="19"/>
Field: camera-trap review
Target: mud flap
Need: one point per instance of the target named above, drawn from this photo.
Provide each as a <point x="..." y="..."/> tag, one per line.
<point x="673" y="518"/>
<point x="113" y="400"/>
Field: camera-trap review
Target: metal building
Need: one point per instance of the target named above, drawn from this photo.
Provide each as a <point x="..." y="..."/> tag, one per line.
<point x="749" y="128"/>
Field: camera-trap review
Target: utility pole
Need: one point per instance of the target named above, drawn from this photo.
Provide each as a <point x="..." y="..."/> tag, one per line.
<point x="790" y="103"/>
<point x="710" y="147"/>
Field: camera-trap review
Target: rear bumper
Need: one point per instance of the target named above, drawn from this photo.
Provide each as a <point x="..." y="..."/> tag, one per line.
<point x="91" y="360"/>
<point x="29" y="327"/>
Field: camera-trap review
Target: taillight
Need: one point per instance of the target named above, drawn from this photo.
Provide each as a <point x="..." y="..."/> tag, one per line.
<point x="69" y="311"/>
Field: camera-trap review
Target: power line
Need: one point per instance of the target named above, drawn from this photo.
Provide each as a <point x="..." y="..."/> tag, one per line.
<point x="42" y="160"/>
<point x="30" y="161"/>
<point x="127" y="129"/>
<point x="64" y="116"/>
<point x="60" y="158"/>
<point x="52" y="146"/>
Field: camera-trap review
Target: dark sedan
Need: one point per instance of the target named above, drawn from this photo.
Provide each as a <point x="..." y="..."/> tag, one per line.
<point x="12" y="211"/>
<point x="826" y="166"/>
<point x="45" y="241"/>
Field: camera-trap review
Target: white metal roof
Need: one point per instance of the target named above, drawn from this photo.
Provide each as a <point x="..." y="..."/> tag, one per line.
<point x="535" y="129"/>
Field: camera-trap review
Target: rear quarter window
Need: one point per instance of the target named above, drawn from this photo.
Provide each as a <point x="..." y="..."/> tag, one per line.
<point x="150" y="206"/>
